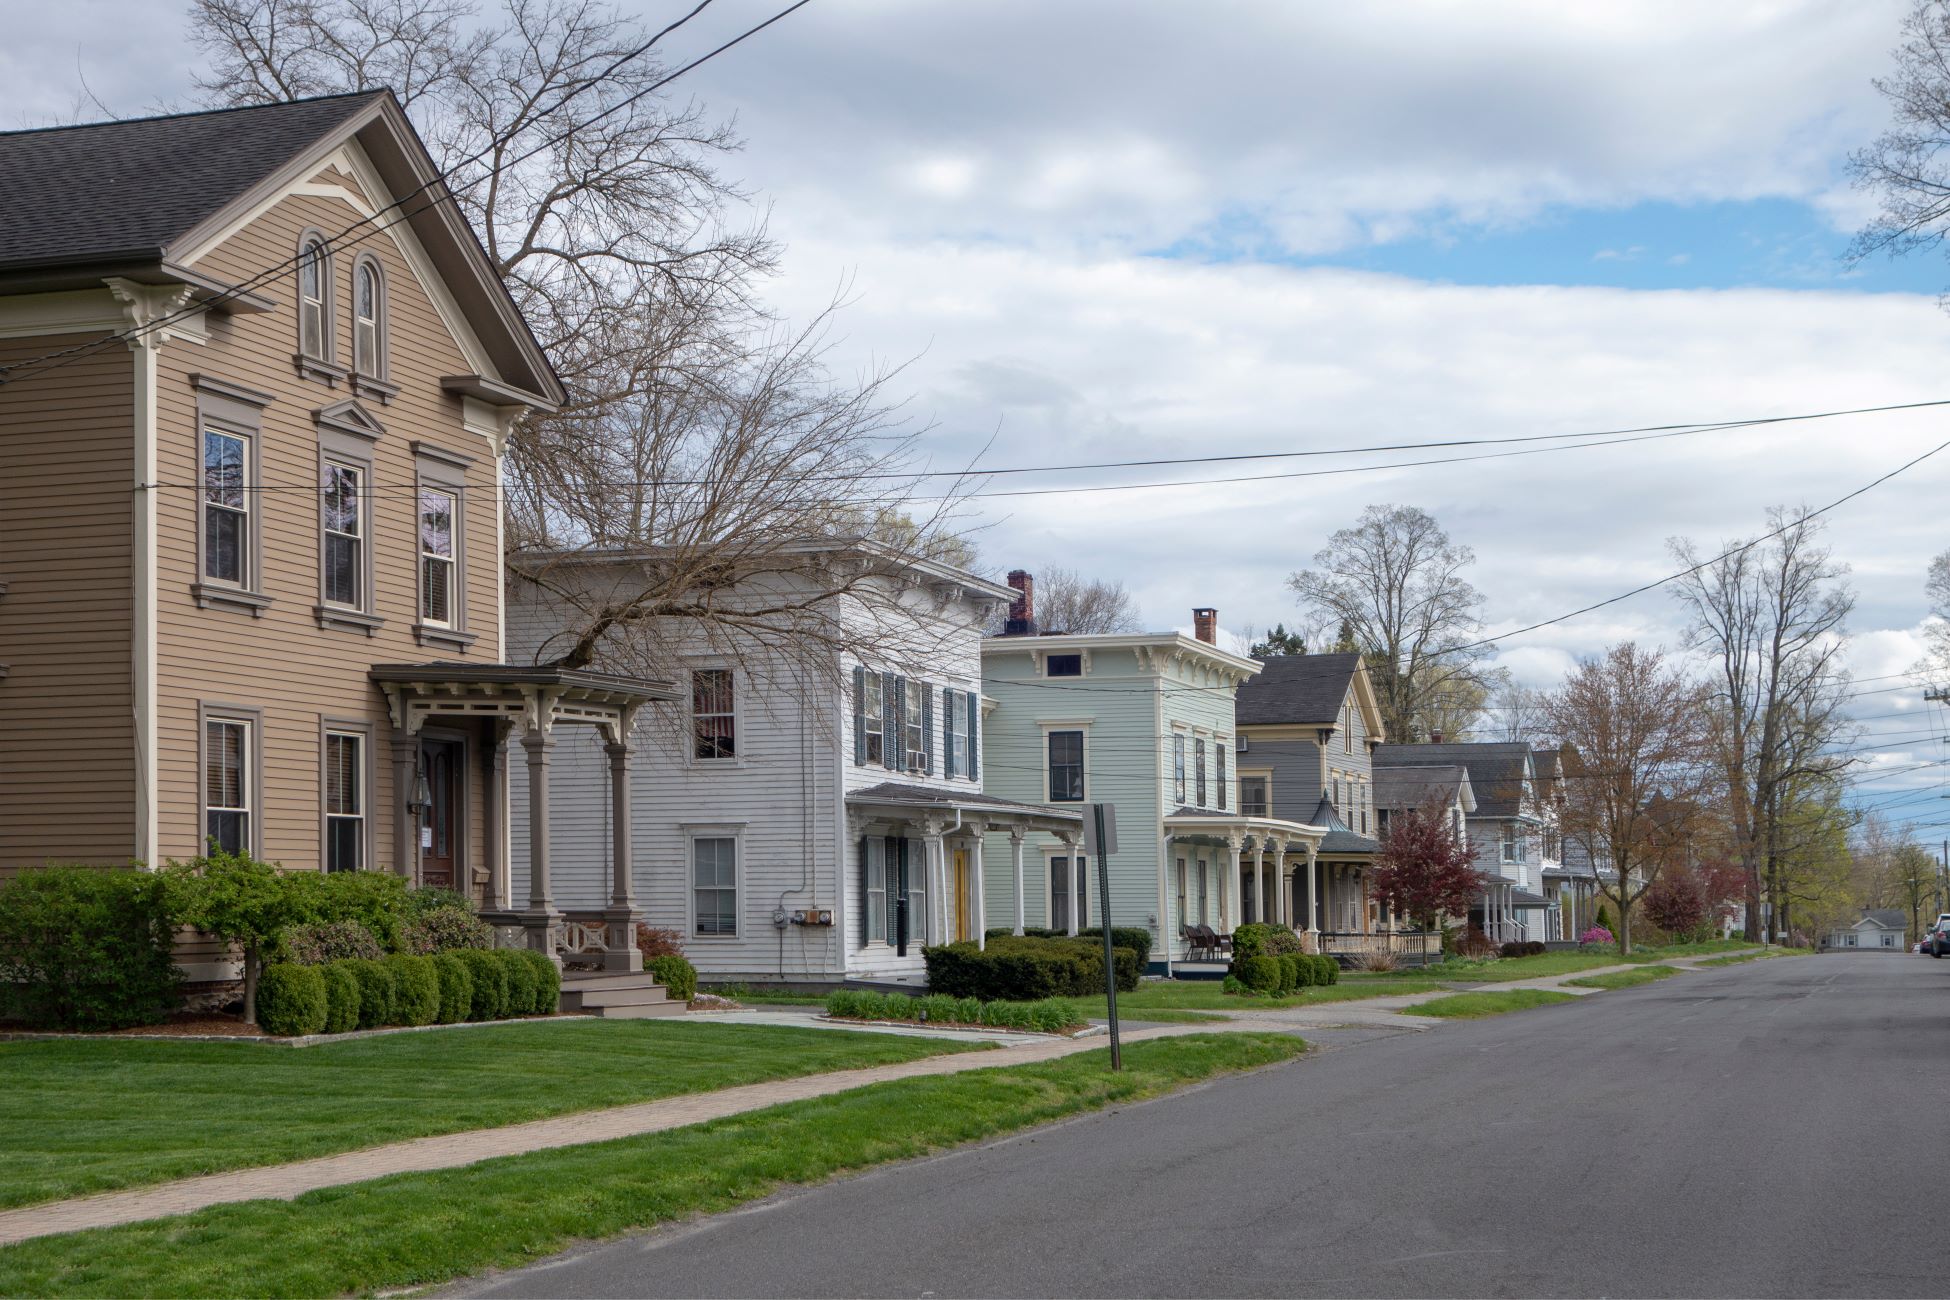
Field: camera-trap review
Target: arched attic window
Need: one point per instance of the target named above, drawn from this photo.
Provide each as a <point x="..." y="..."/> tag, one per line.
<point x="314" y="298"/>
<point x="368" y="318"/>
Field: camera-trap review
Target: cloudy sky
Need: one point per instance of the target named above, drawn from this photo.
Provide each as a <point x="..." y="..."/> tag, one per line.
<point x="1118" y="231"/>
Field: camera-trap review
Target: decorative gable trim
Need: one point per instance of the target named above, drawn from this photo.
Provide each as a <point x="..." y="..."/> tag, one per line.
<point x="351" y="418"/>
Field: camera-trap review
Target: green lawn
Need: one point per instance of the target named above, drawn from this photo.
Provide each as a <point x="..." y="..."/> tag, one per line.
<point x="765" y="997"/>
<point x="416" y="1230"/>
<point x="1176" y="1000"/>
<point x="1625" y="979"/>
<point x="1474" y="1006"/>
<point x="87" y="1116"/>
<point x="1739" y="957"/>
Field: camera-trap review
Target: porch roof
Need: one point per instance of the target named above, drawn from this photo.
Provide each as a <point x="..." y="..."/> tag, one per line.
<point x="898" y="799"/>
<point x="537" y="695"/>
<point x="1195" y="821"/>
<point x="1524" y="898"/>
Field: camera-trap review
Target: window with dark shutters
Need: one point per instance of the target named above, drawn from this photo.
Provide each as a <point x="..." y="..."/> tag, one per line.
<point x="951" y="765"/>
<point x="892" y="696"/>
<point x="927" y="729"/>
<point x="974" y="735"/>
<point x="859" y="716"/>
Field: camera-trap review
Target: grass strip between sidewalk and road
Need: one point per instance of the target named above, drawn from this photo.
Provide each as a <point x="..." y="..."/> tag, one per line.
<point x="99" y="1114"/>
<point x="415" y="1230"/>
<point x="1739" y="957"/>
<point x="1184" y="1000"/>
<point x="1625" y="979"/>
<point x="1475" y="1006"/>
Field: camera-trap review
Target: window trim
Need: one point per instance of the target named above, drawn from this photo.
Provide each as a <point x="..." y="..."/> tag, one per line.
<point x="873" y="692"/>
<point x="368" y="776"/>
<point x="735" y="758"/>
<point x="373" y="381"/>
<point x="1049" y="788"/>
<point x="252" y="720"/>
<point x="237" y="412"/>
<point x="322" y="364"/>
<point x="435" y="469"/>
<point x="876" y="935"/>
<point x="1199" y="787"/>
<point x="346" y="441"/>
<point x="735" y="832"/>
<point x="1077" y="899"/>
<point x="1178" y="786"/>
<point x="915" y="759"/>
<point x="1050" y="657"/>
<point x="1264" y="774"/>
<point x="1219" y="747"/>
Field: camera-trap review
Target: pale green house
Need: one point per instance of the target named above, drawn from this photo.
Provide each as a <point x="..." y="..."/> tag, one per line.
<point x="1143" y="721"/>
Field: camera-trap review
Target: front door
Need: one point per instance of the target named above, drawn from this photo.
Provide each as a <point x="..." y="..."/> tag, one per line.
<point x="963" y="912"/>
<point x="440" y="831"/>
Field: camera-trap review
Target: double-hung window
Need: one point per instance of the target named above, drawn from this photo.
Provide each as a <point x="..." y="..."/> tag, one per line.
<point x="1198" y="769"/>
<point x="439" y="515"/>
<point x="1252" y="796"/>
<point x="1512" y="844"/>
<point x="957" y="711"/>
<point x="713" y="723"/>
<point x="314" y="300"/>
<point x="368" y="324"/>
<point x="1069" y="901"/>
<point x="345" y="801"/>
<point x="1184" y="917"/>
<point x="714" y="884"/>
<point x="227" y="768"/>
<point x="343" y="514"/>
<point x="1201" y="892"/>
<point x="1219" y="745"/>
<point x="914" y="716"/>
<point x="1065" y="766"/>
<point x="873" y="850"/>
<point x="226" y="508"/>
<point x="1178" y="767"/>
<point x="873" y="720"/>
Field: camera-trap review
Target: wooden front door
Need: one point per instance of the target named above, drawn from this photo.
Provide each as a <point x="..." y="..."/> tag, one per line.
<point x="963" y="912"/>
<point x="441" y="830"/>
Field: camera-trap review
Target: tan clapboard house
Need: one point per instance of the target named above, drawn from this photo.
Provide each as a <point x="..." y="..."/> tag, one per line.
<point x="256" y="380"/>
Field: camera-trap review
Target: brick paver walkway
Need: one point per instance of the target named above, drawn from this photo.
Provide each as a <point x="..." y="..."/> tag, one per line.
<point x="451" y="1150"/>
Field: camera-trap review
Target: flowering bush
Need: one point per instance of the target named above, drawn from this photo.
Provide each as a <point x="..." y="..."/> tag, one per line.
<point x="314" y="945"/>
<point x="1597" y="936"/>
<point x="653" y="942"/>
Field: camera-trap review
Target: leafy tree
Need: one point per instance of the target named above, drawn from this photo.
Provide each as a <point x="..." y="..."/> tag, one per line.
<point x="1424" y="868"/>
<point x="236" y="898"/>
<point x="1394" y="584"/>
<point x="1279" y="642"/>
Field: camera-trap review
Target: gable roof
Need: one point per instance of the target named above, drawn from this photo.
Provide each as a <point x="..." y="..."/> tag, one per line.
<point x="1296" y="688"/>
<point x="127" y="191"/>
<point x="1411" y="787"/>
<point x="1497" y="769"/>
<point x="134" y="198"/>
<point x="1885" y="918"/>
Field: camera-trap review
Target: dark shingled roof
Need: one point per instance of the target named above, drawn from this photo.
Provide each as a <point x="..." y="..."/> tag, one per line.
<point x="1339" y="839"/>
<point x="1496" y="769"/>
<point x="116" y="191"/>
<point x="1889" y="918"/>
<point x="1411" y="787"/>
<point x="1296" y="688"/>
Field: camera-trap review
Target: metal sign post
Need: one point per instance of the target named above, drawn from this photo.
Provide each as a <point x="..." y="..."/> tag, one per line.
<point x="1100" y="838"/>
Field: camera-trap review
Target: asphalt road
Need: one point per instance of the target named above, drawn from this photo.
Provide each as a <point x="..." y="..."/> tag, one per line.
<point x="1757" y="1130"/>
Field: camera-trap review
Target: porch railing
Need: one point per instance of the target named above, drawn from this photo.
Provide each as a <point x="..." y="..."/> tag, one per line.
<point x="1400" y="943"/>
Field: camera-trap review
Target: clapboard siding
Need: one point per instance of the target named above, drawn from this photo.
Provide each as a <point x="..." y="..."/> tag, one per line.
<point x="67" y="736"/>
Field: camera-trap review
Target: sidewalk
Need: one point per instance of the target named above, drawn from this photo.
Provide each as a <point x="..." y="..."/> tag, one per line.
<point x="448" y="1151"/>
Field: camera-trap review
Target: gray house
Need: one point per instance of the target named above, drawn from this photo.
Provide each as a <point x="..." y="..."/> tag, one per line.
<point x="1308" y="729"/>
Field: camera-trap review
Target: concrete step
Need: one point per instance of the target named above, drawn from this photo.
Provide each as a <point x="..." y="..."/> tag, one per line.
<point x="647" y="1011"/>
<point x="590" y="999"/>
<point x="631" y="996"/>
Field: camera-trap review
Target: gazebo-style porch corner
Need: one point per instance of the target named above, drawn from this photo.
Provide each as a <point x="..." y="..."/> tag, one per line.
<point x="494" y="700"/>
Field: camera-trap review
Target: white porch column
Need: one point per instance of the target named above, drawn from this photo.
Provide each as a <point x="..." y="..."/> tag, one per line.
<point x="1262" y="896"/>
<point x="1282" y="904"/>
<point x="977" y="901"/>
<point x="1016" y="836"/>
<point x="938" y="884"/>
<point x="1313" y="912"/>
<point x="1072" y="845"/>
<point x="1227" y="878"/>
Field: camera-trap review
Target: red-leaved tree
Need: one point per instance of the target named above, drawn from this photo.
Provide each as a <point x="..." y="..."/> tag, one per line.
<point x="1677" y="901"/>
<point x="1424" y="868"/>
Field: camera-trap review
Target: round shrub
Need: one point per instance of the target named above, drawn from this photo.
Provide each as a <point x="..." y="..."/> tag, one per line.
<point x="375" y="992"/>
<point x="444" y="929"/>
<point x="341" y="998"/>
<point x="314" y="945"/>
<point x="1259" y="972"/>
<point x="677" y="975"/>
<point x="490" y="975"/>
<point x="429" y="898"/>
<point x="1326" y="970"/>
<point x="1289" y="971"/>
<point x="87" y="948"/>
<point x="546" y="989"/>
<point x="521" y="981"/>
<point x="291" y="1000"/>
<point x="456" y="987"/>
<point x="416" y="989"/>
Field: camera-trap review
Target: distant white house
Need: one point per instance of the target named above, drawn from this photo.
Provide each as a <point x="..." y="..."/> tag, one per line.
<point x="1881" y="930"/>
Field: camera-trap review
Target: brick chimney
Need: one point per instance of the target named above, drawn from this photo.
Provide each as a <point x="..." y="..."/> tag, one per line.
<point x="1205" y="625"/>
<point x="1435" y="738"/>
<point x="1022" y="610"/>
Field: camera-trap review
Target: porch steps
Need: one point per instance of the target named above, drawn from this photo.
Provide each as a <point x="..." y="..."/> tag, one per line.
<point x="617" y="997"/>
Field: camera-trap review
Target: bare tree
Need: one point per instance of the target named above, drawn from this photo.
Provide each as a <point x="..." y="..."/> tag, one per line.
<point x="1066" y="601"/>
<point x="1907" y="167"/>
<point x="1520" y="714"/>
<point x="1394" y="583"/>
<point x="1772" y="617"/>
<point x="1641" y="733"/>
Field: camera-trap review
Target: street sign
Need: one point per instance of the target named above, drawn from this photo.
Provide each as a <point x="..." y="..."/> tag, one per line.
<point x="1095" y="815"/>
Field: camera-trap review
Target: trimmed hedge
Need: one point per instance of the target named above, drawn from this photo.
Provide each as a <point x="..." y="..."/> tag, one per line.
<point x="291" y="1000"/>
<point x="677" y="975"/>
<point x="1259" y="972"/>
<point x="456" y="987"/>
<point x="341" y="998"/>
<point x="521" y="984"/>
<point x="1026" y="969"/>
<point x="375" y="991"/>
<point x="1135" y="937"/>
<point x="1522" y="948"/>
<point x="1046" y="1017"/>
<point x="1326" y="969"/>
<point x="1270" y="938"/>
<point x="87" y="948"/>
<point x="543" y="982"/>
<point x="416" y="989"/>
<point x="490" y="975"/>
<point x="1290" y="978"/>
